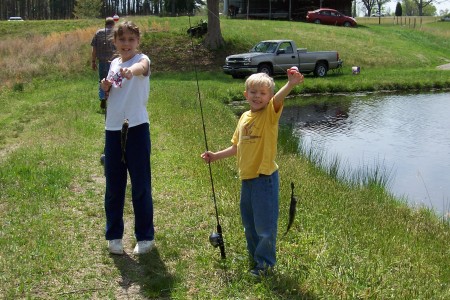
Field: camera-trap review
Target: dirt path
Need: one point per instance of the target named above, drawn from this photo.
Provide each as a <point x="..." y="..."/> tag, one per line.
<point x="444" y="67"/>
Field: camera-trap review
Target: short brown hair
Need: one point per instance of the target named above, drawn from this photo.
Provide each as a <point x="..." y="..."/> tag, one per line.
<point x="126" y="25"/>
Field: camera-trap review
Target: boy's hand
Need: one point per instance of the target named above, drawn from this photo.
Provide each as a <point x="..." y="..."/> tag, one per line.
<point x="208" y="156"/>
<point x="293" y="69"/>
<point x="294" y="76"/>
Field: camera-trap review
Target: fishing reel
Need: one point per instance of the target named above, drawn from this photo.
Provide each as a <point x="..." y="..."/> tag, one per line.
<point x="215" y="239"/>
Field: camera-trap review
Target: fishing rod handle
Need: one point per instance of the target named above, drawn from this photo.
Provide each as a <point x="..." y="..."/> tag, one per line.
<point x="221" y="242"/>
<point x="222" y="251"/>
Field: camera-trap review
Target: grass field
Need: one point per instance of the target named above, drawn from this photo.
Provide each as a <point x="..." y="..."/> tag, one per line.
<point x="347" y="242"/>
<point x="409" y="21"/>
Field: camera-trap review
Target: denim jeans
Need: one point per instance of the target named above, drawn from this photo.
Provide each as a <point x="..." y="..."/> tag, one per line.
<point x="137" y="163"/>
<point x="259" y="212"/>
<point x="103" y="69"/>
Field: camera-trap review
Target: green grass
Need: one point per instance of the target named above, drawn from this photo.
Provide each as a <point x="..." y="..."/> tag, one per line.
<point x="347" y="242"/>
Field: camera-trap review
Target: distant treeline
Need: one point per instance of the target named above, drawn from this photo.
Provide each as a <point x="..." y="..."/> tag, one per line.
<point x="64" y="9"/>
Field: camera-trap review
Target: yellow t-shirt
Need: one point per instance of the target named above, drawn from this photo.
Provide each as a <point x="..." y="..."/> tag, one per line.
<point x="256" y="138"/>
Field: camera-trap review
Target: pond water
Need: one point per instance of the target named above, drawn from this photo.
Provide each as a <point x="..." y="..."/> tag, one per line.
<point x="408" y="136"/>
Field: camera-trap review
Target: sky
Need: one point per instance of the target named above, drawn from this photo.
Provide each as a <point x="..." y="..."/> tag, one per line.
<point x="439" y="4"/>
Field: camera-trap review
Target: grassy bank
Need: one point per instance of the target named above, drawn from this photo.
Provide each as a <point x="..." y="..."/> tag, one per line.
<point x="346" y="243"/>
<point x="391" y="57"/>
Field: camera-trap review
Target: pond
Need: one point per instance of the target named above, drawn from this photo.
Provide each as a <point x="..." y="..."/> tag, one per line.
<point x="408" y="136"/>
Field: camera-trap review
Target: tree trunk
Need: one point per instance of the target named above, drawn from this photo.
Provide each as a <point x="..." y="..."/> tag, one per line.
<point x="213" y="39"/>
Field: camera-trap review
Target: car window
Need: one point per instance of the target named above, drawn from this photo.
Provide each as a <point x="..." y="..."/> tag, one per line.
<point x="325" y="13"/>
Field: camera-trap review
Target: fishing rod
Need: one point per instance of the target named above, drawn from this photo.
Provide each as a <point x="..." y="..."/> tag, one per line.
<point x="216" y="238"/>
<point x="102" y="157"/>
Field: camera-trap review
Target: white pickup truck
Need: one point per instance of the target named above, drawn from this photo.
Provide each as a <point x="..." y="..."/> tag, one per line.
<point x="274" y="57"/>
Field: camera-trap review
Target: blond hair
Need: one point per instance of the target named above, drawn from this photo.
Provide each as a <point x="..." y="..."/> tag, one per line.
<point x="258" y="80"/>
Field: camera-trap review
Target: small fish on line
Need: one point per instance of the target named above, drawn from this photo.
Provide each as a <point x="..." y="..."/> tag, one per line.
<point x="123" y="138"/>
<point x="292" y="209"/>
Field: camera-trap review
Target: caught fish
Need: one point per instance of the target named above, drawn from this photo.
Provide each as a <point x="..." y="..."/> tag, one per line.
<point x="123" y="138"/>
<point x="292" y="209"/>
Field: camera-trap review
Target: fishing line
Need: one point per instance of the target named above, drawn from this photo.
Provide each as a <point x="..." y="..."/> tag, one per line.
<point x="104" y="17"/>
<point x="215" y="239"/>
<point x="102" y="157"/>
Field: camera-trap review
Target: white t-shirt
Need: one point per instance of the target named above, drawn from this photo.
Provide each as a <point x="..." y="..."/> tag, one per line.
<point x="127" y="98"/>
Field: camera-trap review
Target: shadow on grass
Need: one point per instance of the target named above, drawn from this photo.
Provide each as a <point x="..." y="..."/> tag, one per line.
<point x="288" y="287"/>
<point x="148" y="272"/>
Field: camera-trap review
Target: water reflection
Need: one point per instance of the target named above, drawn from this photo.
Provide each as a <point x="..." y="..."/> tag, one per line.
<point x="316" y="115"/>
<point x="408" y="134"/>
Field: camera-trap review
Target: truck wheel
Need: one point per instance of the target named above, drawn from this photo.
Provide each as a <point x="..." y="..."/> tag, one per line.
<point x="321" y="69"/>
<point x="265" y="68"/>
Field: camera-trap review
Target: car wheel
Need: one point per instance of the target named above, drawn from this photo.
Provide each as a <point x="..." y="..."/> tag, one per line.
<point x="317" y="21"/>
<point x="347" y="24"/>
<point x="265" y="68"/>
<point x="321" y="69"/>
<point x="238" y="76"/>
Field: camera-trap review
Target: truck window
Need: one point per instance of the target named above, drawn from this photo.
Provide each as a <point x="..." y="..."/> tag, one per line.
<point x="264" y="47"/>
<point x="287" y="47"/>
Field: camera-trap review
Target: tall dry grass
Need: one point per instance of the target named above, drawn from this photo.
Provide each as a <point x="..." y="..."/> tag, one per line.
<point x="60" y="52"/>
<point x="411" y="21"/>
<point x="28" y="57"/>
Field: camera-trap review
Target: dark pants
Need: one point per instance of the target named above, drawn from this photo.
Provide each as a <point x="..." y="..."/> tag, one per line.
<point x="103" y="69"/>
<point x="137" y="163"/>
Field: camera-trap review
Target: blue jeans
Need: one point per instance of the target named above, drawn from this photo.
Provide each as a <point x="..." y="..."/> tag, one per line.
<point x="137" y="163"/>
<point x="259" y="212"/>
<point x="103" y="69"/>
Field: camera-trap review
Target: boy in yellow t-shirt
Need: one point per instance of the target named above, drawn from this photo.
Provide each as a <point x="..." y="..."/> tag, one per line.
<point x="255" y="144"/>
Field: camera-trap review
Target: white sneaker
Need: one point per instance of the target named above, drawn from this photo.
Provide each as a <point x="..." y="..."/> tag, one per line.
<point x="115" y="246"/>
<point x="143" y="247"/>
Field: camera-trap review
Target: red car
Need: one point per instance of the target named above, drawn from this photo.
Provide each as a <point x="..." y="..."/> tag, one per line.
<point x="329" y="16"/>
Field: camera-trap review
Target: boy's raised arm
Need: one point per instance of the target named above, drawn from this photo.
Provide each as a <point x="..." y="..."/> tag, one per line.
<point x="294" y="78"/>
